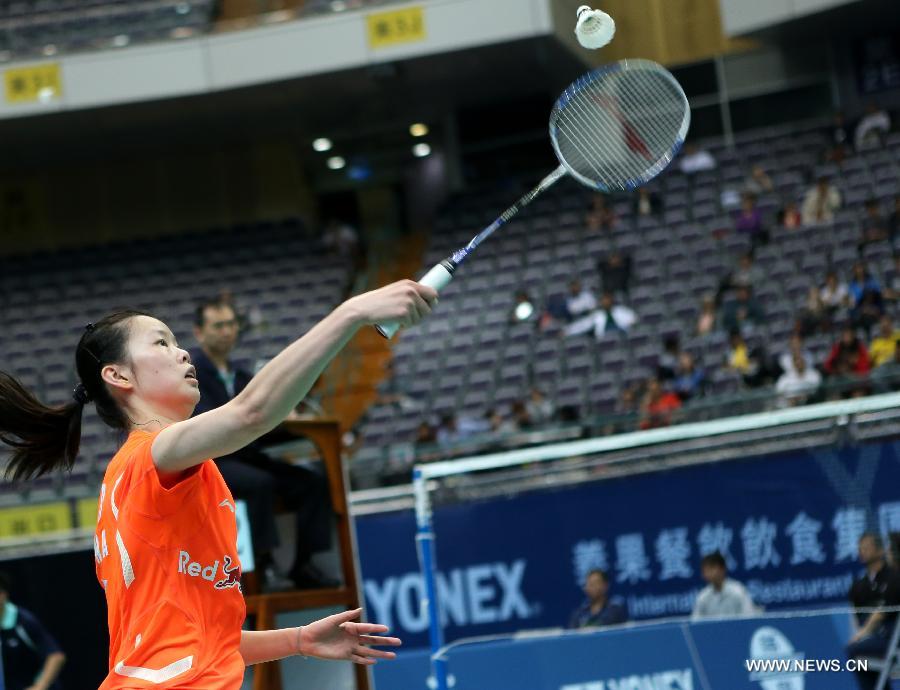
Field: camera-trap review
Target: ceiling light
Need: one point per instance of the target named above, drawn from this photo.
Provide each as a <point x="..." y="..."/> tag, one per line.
<point x="322" y="144"/>
<point x="418" y="129"/>
<point x="421" y="150"/>
<point x="336" y="163"/>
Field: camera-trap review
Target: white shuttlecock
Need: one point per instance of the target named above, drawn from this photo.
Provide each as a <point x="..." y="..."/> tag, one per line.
<point x="595" y="28"/>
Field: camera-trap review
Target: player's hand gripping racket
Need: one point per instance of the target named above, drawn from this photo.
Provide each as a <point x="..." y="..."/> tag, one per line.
<point x="615" y="128"/>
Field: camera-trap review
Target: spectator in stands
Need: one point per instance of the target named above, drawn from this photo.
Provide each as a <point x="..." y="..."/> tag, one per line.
<point x="739" y="354"/>
<point x="520" y="420"/>
<point x="872" y="128"/>
<point x="886" y="378"/>
<point x="658" y="405"/>
<point x="866" y="297"/>
<point x="753" y="365"/>
<point x="706" y="322"/>
<point x="879" y="586"/>
<point x="814" y="315"/>
<point x="742" y="313"/>
<point x="252" y="475"/>
<point x="893" y="224"/>
<point x="523" y="309"/>
<point x="747" y="274"/>
<point x="835" y="297"/>
<point x="630" y="397"/>
<point x="789" y="216"/>
<point x="795" y="349"/>
<point x="758" y="182"/>
<point x="447" y="432"/>
<point x="647" y="203"/>
<point x="820" y="203"/>
<point x="797" y="383"/>
<point x="32" y="659"/>
<point x="580" y="301"/>
<point x="540" y="408"/>
<point x="847" y="362"/>
<point x="426" y="435"/>
<point x="690" y="380"/>
<point x="722" y="597"/>
<point x="498" y="424"/>
<point x="615" y="273"/>
<point x="882" y="348"/>
<point x="874" y="226"/>
<point x="597" y="610"/>
<point x="609" y="317"/>
<point x="695" y="160"/>
<point x="668" y="360"/>
<point x="457" y="428"/>
<point x="750" y="222"/>
<point x="600" y="216"/>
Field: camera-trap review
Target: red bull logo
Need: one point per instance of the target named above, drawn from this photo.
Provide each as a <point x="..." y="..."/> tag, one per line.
<point x="232" y="575"/>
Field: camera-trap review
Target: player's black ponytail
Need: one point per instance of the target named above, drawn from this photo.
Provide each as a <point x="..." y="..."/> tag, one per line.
<point x="45" y="438"/>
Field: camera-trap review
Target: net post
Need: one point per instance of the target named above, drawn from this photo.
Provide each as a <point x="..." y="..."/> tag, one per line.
<point x="428" y="568"/>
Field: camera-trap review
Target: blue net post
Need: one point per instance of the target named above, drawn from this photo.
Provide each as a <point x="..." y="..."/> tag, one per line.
<point x="428" y="567"/>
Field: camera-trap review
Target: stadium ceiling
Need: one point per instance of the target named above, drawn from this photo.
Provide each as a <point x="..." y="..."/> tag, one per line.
<point x="372" y="103"/>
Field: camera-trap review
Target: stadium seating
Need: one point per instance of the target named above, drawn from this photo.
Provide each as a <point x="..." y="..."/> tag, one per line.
<point x="46" y="301"/>
<point x="469" y="357"/>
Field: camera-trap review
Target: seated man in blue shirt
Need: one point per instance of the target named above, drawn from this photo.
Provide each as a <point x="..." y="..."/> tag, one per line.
<point x="597" y="610"/>
<point x="32" y="659"/>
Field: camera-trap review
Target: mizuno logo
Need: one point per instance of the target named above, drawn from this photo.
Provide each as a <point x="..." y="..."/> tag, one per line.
<point x="227" y="504"/>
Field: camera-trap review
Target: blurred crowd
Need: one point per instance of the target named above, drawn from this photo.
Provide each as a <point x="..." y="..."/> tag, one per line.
<point x="855" y="309"/>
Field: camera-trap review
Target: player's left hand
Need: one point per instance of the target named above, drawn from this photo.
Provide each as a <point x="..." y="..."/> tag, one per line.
<point x="339" y="637"/>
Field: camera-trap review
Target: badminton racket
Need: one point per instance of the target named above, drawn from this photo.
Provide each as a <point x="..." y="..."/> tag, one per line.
<point x="613" y="129"/>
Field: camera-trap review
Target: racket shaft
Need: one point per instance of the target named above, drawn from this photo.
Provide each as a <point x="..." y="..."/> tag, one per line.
<point x="441" y="274"/>
<point x="508" y="214"/>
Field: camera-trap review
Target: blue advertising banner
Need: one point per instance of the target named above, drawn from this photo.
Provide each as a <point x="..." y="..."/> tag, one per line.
<point x="765" y="653"/>
<point x="788" y="525"/>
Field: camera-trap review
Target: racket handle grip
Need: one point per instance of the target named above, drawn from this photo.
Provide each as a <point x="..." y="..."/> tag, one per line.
<point x="438" y="278"/>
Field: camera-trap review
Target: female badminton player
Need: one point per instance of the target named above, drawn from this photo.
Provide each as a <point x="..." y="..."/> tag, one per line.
<point x="165" y="546"/>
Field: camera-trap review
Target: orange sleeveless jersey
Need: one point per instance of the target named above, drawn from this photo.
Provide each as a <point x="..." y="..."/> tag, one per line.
<point x="167" y="559"/>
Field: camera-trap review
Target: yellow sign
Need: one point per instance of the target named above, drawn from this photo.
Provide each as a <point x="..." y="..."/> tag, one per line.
<point x="28" y="520"/>
<point x="86" y="511"/>
<point x="399" y="26"/>
<point x="34" y="84"/>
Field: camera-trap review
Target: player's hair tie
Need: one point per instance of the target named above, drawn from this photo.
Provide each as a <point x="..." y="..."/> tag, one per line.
<point x="80" y="395"/>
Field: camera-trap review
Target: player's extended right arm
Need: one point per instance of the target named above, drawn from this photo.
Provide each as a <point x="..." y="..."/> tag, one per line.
<point x="283" y="382"/>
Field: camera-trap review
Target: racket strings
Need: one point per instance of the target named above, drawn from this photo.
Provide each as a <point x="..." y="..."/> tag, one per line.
<point x="620" y="129"/>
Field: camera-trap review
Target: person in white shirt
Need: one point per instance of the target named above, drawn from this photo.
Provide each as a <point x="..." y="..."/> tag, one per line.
<point x="609" y="318"/>
<point x="796" y="385"/>
<point x="871" y="128"/>
<point x="722" y="597"/>
<point x="696" y="160"/>
<point x="580" y="300"/>
<point x="795" y="348"/>
<point x="820" y="203"/>
<point x="835" y="297"/>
